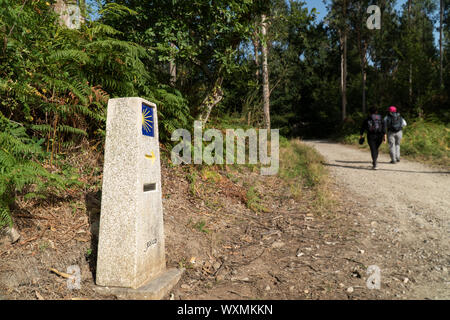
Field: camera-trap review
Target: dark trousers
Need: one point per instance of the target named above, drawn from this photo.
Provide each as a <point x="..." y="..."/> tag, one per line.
<point x="374" y="141"/>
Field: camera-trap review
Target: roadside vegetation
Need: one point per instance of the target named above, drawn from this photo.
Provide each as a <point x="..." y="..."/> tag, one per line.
<point x="301" y="166"/>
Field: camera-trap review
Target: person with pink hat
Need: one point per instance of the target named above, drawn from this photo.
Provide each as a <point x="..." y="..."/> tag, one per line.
<point x="394" y="124"/>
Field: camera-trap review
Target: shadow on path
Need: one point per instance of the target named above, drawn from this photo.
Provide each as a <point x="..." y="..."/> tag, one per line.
<point x="369" y="162"/>
<point x="378" y="169"/>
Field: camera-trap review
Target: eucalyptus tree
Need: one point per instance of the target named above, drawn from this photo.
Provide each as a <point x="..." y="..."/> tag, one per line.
<point x="338" y="18"/>
<point x="419" y="54"/>
<point x="384" y="55"/>
<point x="441" y="48"/>
<point x="291" y="34"/>
<point x="446" y="46"/>
<point x="358" y="22"/>
<point x="265" y="71"/>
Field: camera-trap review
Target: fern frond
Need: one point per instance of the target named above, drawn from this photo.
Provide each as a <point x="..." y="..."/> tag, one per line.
<point x="68" y="129"/>
<point x="72" y="55"/>
<point x="100" y="28"/>
<point x="116" y="9"/>
<point x="96" y="115"/>
<point x="5" y="216"/>
<point x="43" y="128"/>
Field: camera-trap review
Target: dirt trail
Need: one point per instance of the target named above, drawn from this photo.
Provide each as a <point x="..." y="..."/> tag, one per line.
<point x="241" y="235"/>
<point x="407" y="211"/>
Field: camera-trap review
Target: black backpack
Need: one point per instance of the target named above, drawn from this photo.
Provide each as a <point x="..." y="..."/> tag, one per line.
<point x="395" y="122"/>
<point x="375" y="124"/>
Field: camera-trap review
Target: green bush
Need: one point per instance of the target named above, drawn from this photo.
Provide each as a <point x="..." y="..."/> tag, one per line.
<point x="427" y="140"/>
<point x="301" y="161"/>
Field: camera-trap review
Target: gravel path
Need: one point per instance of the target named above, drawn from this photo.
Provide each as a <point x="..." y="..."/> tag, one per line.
<point x="407" y="205"/>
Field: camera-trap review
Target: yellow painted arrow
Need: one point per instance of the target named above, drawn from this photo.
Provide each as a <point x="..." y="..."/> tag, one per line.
<point x="151" y="157"/>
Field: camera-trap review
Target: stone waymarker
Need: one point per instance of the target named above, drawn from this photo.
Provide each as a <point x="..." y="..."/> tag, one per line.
<point x="131" y="253"/>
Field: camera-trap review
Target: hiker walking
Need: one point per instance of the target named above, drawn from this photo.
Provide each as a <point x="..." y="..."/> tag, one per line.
<point x="394" y="124"/>
<point x="375" y="128"/>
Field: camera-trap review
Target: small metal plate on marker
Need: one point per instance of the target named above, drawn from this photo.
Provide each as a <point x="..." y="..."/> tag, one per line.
<point x="149" y="187"/>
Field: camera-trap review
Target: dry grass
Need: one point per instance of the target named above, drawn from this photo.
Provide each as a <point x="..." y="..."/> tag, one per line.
<point x="301" y="166"/>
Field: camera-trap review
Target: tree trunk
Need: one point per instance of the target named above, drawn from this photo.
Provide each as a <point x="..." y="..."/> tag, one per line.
<point x="364" y="77"/>
<point x="265" y="73"/>
<point x="255" y="41"/>
<point x="441" y="50"/>
<point x="410" y="64"/>
<point x="362" y="47"/>
<point x="173" y="70"/>
<point x="343" y="40"/>
<point x="212" y="99"/>
<point x="344" y="75"/>
<point x="173" y="73"/>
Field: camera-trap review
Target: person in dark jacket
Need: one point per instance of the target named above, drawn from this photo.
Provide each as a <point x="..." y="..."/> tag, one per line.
<point x="375" y="128"/>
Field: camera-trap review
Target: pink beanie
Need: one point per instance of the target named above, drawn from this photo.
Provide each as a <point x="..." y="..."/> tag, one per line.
<point x="392" y="109"/>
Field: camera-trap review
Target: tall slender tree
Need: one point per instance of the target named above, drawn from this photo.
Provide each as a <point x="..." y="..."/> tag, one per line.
<point x="343" y="34"/>
<point x="441" y="48"/>
<point x="265" y="72"/>
<point x="410" y="79"/>
<point x="256" y="46"/>
<point x="358" y="18"/>
<point x="343" y="41"/>
<point x="338" y="19"/>
<point x="173" y="68"/>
